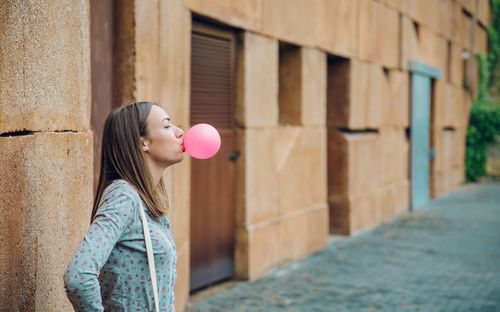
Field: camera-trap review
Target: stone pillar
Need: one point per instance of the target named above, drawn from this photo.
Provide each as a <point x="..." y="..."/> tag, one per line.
<point x="45" y="147"/>
<point x="159" y="34"/>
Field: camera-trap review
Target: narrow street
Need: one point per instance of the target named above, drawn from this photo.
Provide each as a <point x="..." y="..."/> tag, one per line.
<point x="445" y="257"/>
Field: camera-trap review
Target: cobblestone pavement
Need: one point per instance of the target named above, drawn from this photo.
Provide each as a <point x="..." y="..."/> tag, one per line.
<point x="445" y="257"/>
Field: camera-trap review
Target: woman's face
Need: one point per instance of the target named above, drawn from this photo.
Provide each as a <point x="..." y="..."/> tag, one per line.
<point x="163" y="144"/>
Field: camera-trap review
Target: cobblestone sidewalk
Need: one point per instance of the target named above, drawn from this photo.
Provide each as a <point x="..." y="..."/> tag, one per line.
<point x="443" y="258"/>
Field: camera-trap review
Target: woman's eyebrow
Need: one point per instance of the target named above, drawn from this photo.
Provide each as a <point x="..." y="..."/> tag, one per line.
<point x="167" y="119"/>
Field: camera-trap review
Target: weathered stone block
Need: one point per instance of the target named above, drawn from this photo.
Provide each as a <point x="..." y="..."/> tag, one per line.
<point x="450" y="107"/>
<point x="456" y="65"/>
<point x="433" y="50"/>
<point x="434" y="14"/>
<point x="293" y="21"/>
<point x="460" y="175"/>
<point x="257" y="102"/>
<point x="438" y="102"/>
<point x="412" y="9"/>
<point x="435" y="184"/>
<point x="402" y="197"/>
<point x="425" y="12"/>
<point x="47" y="185"/>
<point x="453" y="178"/>
<point x="301" y="168"/>
<point x="163" y="57"/>
<point x="364" y="30"/>
<point x="385" y="99"/>
<point x="410" y="47"/>
<point x="447" y="180"/>
<point x="340" y="162"/>
<point x="450" y="148"/>
<point x="461" y="146"/>
<point x="337" y="25"/>
<point x="379" y="33"/>
<point x="481" y="40"/>
<point x="313" y="87"/>
<point x="462" y="110"/>
<point x="259" y="199"/>
<point x="149" y="65"/>
<point x="351" y="214"/>
<point x="469" y="5"/>
<point x="44" y="66"/>
<point x="306" y="232"/>
<point x="316" y="228"/>
<point x="263" y="249"/>
<point x="377" y="100"/>
<point x="443" y="18"/>
<point x="272" y="244"/>
<point x="353" y="159"/>
<point x="339" y="212"/>
<point x="467" y="104"/>
<point x="437" y="145"/>
<point x="241" y="261"/>
<point x="399" y="98"/>
<point x="394" y="160"/>
<point x="484" y="12"/>
<point x="388" y="202"/>
<point x="396" y="4"/>
<point x="240" y="13"/>
<point x="462" y="27"/>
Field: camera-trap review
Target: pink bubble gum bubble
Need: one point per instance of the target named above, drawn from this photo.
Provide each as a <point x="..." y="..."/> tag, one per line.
<point x="201" y="141"/>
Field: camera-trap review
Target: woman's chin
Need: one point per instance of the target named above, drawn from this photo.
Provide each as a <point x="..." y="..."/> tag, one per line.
<point x="179" y="158"/>
<point x="170" y="162"/>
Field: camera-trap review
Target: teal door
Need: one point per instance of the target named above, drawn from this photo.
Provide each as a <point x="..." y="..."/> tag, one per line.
<point x="421" y="76"/>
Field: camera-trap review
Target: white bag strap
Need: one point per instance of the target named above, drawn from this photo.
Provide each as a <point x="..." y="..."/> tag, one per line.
<point x="151" y="259"/>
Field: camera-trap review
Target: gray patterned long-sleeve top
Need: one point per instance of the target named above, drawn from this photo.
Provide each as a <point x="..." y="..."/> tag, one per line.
<point x="109" y="271"/>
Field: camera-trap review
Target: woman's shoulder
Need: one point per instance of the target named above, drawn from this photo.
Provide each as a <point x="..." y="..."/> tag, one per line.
<point x="121" y="187"/>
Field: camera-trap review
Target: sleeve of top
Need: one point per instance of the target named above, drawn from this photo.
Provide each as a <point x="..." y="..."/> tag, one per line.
<point x="113" y="215"/>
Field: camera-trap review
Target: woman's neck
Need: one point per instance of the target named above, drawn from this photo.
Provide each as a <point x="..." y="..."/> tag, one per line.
<point x="156" y="172"/>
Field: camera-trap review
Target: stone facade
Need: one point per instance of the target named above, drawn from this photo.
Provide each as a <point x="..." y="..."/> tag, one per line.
<point x="337" y="161"/>
<point x="46" y="149"/>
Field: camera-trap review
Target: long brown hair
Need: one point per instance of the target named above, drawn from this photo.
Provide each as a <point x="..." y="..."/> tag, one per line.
<point x="123" y="158"/>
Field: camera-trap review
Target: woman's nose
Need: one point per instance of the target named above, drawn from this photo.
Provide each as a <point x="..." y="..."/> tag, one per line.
<point x="179" y="133"/>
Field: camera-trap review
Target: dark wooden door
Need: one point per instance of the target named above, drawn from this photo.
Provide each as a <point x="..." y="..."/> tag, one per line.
<point x="212" y="180"/>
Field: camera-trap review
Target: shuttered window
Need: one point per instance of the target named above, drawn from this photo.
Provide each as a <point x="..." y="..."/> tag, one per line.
<point x="212" y="81"/>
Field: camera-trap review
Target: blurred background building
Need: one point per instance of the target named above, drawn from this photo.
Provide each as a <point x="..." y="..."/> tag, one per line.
<point x="314" y="101"/>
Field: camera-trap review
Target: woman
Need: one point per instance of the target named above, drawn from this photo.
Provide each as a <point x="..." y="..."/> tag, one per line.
<point x="109" y="271"/>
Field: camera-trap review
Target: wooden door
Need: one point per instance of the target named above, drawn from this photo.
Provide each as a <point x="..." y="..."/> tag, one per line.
<point x="420" y="153"/>
<point x="212" y="180"/>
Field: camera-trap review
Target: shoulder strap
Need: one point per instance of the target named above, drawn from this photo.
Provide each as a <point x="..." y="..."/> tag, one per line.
<point x="151" y="259"/>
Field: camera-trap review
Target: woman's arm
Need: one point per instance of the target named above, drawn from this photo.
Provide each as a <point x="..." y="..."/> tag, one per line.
<point x="115" y="212"/>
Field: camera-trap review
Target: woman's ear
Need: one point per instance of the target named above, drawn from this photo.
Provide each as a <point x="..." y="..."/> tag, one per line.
<point x="144" y="144"/>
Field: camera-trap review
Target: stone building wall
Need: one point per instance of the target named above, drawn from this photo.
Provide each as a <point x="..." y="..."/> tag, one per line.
<point x="45" y="148"/>
<point x="344" y="144"/>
